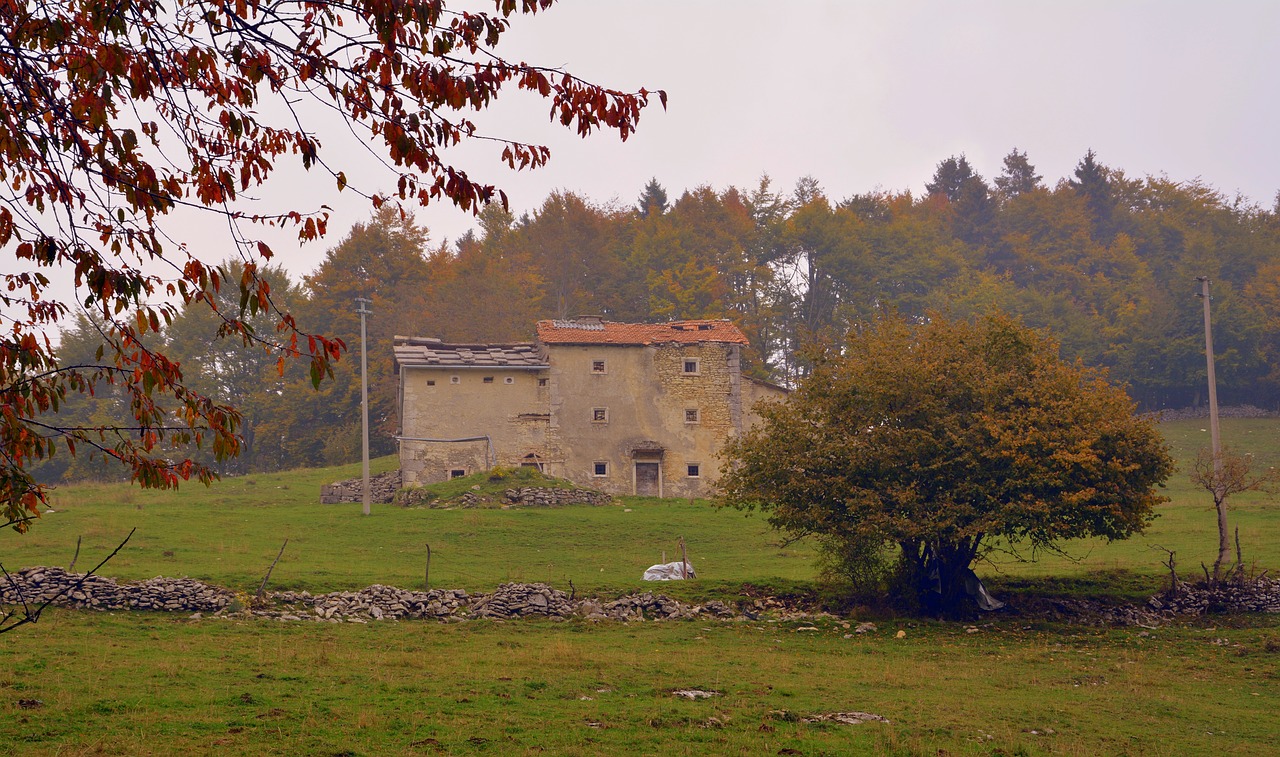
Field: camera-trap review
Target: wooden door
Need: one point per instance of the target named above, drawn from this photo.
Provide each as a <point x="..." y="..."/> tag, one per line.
<point x="647" y="480"/>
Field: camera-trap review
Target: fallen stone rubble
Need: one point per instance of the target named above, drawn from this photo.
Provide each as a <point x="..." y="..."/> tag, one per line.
<point x="382" y="489"/>
<point x="524" y="496"/>
<point x="1233" y="596"/>
<point x="513" y="601"/>
<point x="376" y="602"/>
<point x="33" y="586"/>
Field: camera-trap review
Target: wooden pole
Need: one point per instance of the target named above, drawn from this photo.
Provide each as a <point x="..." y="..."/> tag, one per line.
<point x="684" y="560"/>
<point x="263" y="587"/>
<point x="1215" y="436"/>
<point x="362" y="307"/>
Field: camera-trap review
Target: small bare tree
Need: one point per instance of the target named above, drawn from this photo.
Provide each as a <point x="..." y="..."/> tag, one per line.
<point x="1230" y="473"/>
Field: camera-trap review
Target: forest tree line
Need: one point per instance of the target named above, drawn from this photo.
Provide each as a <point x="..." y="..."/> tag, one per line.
<point x="1106" y="263"/>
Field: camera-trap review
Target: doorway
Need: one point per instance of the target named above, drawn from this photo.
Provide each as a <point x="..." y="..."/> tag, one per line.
<point x="648" y="480"/>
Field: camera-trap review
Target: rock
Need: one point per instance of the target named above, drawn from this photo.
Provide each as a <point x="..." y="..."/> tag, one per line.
<point x="865" y="628"/>
<point x="846" y="718"/>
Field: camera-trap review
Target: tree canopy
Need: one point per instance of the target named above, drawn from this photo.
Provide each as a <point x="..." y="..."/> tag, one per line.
<point x="115" y="116"/>
<point x="945" y="438"/>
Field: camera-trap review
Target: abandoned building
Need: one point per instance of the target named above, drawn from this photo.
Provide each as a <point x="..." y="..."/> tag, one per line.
<point x="626" y="408"/>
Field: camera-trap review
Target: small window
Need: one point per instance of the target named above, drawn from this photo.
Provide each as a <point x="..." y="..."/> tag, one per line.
<point x="488" y="379"/>
<point x="691" y="365"/>
<point x="694" y="470"/>
<point x="597" y="366"/>
<point x="600" y="469"/>
<point x="431" y="382"/>
<point x="508" y="380"/>
<point x="542" y="382"/>
<point x="691" y="415"/>
<point x="457" y="473"/>
<point x="600" y="414"/>
<point x="454" y="380"/>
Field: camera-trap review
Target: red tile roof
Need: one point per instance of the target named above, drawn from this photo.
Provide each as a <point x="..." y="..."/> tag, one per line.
<point x="596" y="331"/>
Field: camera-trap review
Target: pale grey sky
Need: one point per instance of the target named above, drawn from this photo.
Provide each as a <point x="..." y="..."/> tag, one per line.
<point x="867" y="95"/>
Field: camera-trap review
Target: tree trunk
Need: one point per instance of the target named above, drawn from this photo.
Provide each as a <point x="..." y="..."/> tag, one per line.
<point x="1224" y="540"/>
<point x="940" y="576"/>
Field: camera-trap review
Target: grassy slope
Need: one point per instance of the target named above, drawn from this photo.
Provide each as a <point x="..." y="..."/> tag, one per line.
<point x="230" y="533"/>
<point x="150" y="684"/>
<point x="138" y="683"/>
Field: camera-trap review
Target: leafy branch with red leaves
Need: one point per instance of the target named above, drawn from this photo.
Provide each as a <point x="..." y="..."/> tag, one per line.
<point x="115" y="114"/>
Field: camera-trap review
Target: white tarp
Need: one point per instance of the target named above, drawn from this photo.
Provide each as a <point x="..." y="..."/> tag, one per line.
<point x="669" y="572"/>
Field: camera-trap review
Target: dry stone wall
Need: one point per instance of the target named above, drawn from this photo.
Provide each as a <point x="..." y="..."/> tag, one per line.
<point x="382" y="489"/>
<point x="525" y="496"/>
<point x="512" y="601"/>
<point x="33" y="586"/>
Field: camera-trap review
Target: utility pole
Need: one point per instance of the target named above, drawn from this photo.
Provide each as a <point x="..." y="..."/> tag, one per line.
<point x="362" y="307"/>
<point x="1215" y="435"/>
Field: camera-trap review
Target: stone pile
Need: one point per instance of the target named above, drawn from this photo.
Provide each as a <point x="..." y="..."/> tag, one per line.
<point x="35" y="585"/>
<point x="376" y="602"/>
<point x="382" y="489"/>
<point x="512" y="601"/>
<point x="1249" y="595"/>
<point x="1191" y="413"/>
<point x="525" y="496"/>
<point x="543" y="496"/>
<point x="652" y="607"/>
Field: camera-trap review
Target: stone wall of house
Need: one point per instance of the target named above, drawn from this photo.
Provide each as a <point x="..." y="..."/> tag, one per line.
<point x="462" y="402"/>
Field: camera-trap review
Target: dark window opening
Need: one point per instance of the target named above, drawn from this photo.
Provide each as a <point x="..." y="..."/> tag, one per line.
<point x="600" y="469"/>
<point x="597" y="366"/>
<point x="431" y="382"/>
<point x="691" y="415"/>
<point x="600" y="414"/>
<point x="488" y="379"/>
<point x="694" y="470"/>
<point x="457" y="473"/>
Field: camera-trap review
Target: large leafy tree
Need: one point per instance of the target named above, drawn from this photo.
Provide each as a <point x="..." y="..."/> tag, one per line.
<point x="946" y="438"/>
<point x="115" y="115"/>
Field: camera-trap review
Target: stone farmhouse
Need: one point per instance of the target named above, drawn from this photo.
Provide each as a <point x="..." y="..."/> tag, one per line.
<point x="626" y="408"/>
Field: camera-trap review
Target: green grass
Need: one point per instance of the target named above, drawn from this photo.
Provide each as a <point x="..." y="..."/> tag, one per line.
<point x="229" y="534"/>
<point x="145" y="684"/>
<point x="142" y="683"/>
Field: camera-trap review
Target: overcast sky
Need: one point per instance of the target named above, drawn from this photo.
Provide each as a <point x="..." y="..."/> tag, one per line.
<point x="872" y="95"/>
<point x="862" y="96"/>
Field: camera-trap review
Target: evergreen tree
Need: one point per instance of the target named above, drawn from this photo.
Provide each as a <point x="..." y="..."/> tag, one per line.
<point x="1093" y="183"/>
<point x="1018" y="176"/>
<point x="951" y="177"/>
<point x="653" y="200"/>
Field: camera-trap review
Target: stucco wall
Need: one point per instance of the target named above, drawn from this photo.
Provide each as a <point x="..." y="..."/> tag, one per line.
<point x="435" y="406"/>
<point x="754" y="392"/>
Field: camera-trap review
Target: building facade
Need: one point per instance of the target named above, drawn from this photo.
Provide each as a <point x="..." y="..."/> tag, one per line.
<point x="621" y="407"/>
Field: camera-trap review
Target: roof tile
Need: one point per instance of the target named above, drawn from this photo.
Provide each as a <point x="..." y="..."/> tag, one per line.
<point x="608" y="332"/>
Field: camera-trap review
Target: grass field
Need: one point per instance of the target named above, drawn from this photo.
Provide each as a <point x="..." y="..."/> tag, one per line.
<point x="140" y="683"/>
<point x="146" y="684"/>
<point x="229" y="534"/>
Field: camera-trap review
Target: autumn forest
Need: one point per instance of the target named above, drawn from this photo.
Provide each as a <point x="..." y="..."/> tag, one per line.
<point x="1105" y="262"/>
